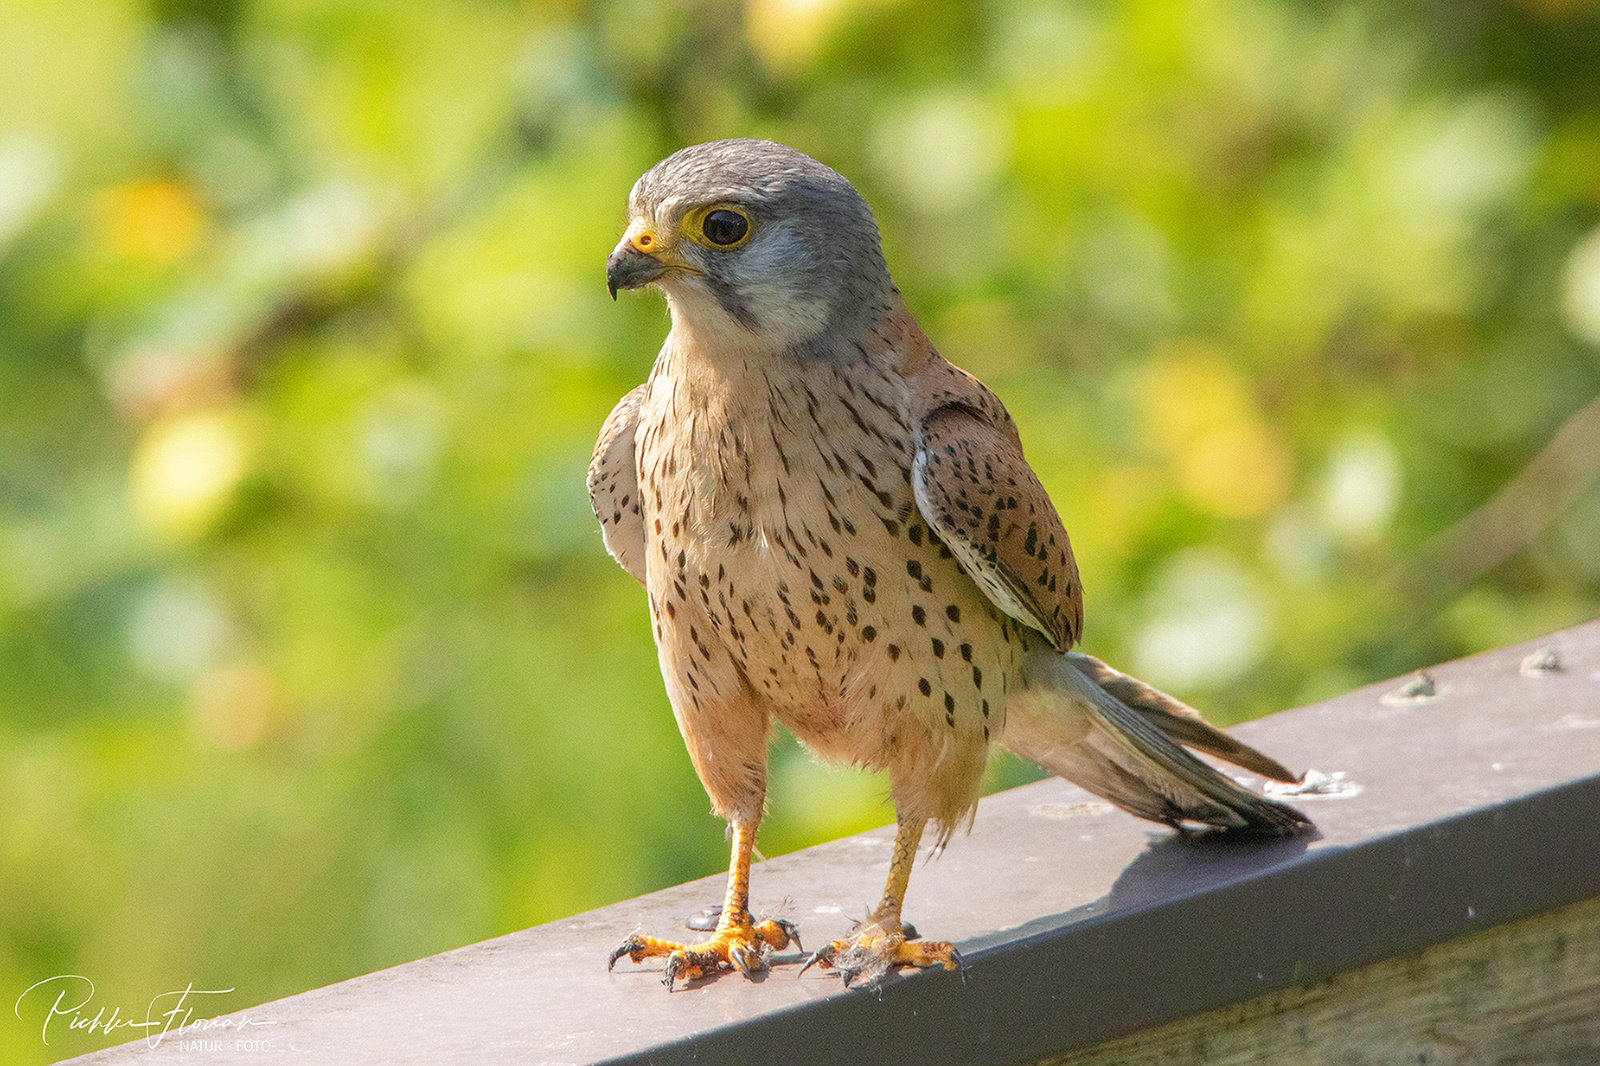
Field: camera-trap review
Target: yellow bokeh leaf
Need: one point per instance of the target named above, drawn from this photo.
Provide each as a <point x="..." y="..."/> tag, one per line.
<point x="1197" y="408"/>
<point x="155" y="219"/>
<point x="1238" y="470"/>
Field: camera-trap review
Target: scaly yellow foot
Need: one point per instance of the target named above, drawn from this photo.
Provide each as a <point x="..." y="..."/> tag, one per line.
<point x="882" y="942"/>
<point x="875" y="948"/>
<point x="739" y="944"/>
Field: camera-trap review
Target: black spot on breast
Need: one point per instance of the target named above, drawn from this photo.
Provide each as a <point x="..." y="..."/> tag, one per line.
<point x="953" y="613"/>
<point x="938" y="648"/>
<point x="869" y="633"/>
<point x="919" y="616"/>
<point x="923" y="687"/>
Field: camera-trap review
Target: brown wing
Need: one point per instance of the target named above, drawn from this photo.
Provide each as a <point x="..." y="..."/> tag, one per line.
<point x="614" y="485"/>
<point x="980" y="496"/>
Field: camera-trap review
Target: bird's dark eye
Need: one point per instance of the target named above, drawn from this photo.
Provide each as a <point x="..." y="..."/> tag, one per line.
<point x="723" y="227"/>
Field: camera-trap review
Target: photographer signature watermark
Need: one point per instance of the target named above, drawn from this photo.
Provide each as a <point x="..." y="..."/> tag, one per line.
<point x="67" y="999"/>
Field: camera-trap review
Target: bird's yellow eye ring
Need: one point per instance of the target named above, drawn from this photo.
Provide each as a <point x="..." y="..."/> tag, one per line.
<point x="720" y="226"/>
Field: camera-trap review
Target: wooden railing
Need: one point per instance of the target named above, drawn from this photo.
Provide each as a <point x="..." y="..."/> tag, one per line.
<point x="1447" y="911"/>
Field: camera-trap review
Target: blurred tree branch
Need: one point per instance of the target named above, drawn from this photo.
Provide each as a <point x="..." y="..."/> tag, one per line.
<point x="1510" y="520"/>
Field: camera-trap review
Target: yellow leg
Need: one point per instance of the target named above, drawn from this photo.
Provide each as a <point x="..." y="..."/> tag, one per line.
<point x="879" y="944"/>
<point x="736" y="902"/>
<point x="907" y="836"/>
<point x="738" y="941"/>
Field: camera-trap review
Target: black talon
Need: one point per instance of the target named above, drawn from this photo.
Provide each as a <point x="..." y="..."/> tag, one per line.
<point x="677" y="962"/>
<point x="824" y="955"/>
<point x="625" y="948"/>
<point x="791" y="931"/>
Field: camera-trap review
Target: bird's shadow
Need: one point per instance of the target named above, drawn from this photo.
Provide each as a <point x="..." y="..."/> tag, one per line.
<point x="1184" y="861"/>
<point x="1172" y="865"/>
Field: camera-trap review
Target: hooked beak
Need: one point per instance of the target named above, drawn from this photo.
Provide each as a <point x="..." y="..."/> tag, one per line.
<point x="629" y="268"/>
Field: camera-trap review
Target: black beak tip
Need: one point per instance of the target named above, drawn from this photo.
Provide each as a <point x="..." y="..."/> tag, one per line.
<point x="630" y="269"/>
<point x="614" y="274"/>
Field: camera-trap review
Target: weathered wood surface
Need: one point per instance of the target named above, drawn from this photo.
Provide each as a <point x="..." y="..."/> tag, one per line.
<point x="1524" y="994"/>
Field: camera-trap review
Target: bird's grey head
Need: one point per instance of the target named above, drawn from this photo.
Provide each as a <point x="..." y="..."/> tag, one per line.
<point x="755" y="244"/>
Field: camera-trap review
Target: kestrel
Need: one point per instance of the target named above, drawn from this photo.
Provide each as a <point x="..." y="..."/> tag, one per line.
<point x="837" y="529"/>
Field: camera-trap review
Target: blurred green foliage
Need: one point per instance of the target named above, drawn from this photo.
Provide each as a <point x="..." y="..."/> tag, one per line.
<point x="311" y="661"/>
